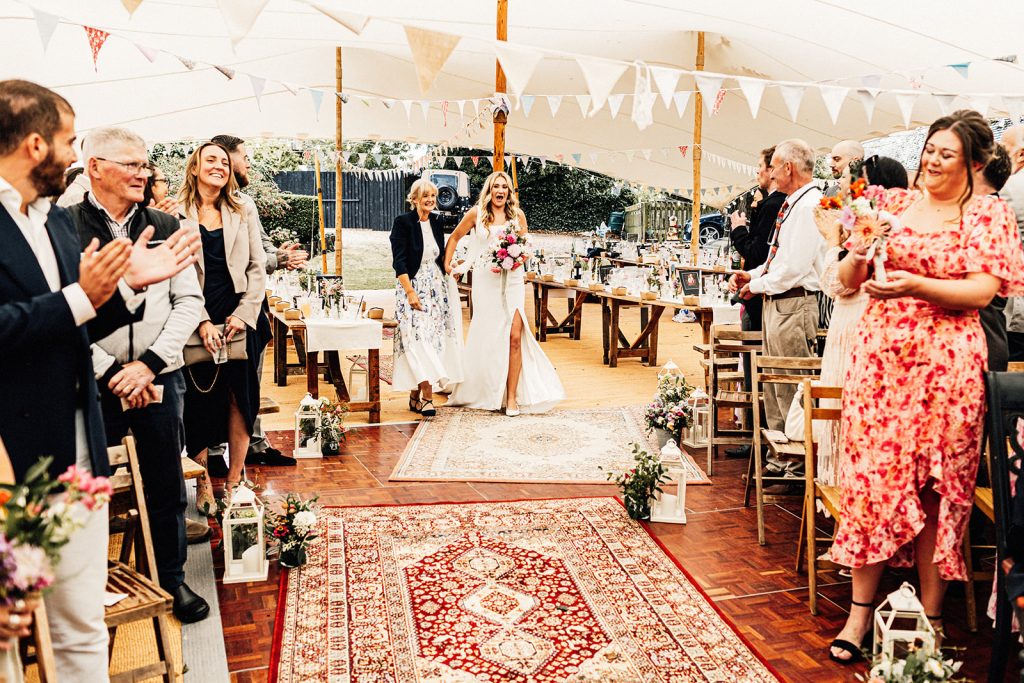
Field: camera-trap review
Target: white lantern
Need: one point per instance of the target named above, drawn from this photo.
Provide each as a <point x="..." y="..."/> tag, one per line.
<point x="307" y="424"/>
<point x="901" y="625"/>
<point x="668" y="508"/>
<point x="670" y="369"/>
<point x="696" y="435"/>
<point x="245" y="551"/>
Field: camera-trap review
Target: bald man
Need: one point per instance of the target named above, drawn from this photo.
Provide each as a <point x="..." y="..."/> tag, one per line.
<point x="842" y="154"/>
<point x="1013" y="192"/>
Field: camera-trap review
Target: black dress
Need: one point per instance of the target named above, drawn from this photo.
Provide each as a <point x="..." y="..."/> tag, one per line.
<point x="209" y="387"/>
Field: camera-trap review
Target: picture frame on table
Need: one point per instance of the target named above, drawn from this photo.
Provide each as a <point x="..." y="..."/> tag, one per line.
<point x="690" y="281"/>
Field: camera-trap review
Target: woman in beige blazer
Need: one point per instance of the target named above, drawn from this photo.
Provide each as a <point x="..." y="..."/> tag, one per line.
<point x="222" y="399"/>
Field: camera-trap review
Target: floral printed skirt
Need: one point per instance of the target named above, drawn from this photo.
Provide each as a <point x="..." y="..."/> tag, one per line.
<point x="428" y="343"/>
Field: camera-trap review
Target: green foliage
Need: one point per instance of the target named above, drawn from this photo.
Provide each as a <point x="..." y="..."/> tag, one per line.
<point x="295" y="222"/>
<point x="641" y="483"/>
<point x="555" y="197"/>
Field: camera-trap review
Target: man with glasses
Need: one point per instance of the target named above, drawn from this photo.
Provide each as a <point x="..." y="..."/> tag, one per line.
<point x="138" y="367"/>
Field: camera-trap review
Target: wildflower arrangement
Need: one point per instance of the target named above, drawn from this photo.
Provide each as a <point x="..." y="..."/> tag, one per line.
<point x="291" y="523"/>
<point x="669" y="409"/>
<point x="511" y="250"/>
<point x="331" y="432"/>
<point x="37" y="518"/>
<point x="918" y="667"/>
<point x="858" y="214"/>
<point x="641" y="483"/>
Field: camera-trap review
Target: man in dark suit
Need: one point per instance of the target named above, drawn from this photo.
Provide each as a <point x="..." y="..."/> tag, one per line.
<point x="49" y="291"/>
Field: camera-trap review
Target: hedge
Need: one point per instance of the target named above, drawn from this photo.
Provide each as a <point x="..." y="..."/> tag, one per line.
<point x="297" y="221"/>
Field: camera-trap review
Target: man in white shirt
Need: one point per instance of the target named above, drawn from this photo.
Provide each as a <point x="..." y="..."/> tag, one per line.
<point x="1013" y="192"/>
<point x="790" y="278"/>
<point x="49" y="290"/>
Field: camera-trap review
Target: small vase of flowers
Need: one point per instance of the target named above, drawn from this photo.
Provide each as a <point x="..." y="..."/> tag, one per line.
<point x="291" y="524"/>
<point x="641" y="484"/>
<point x="331" y="432"/>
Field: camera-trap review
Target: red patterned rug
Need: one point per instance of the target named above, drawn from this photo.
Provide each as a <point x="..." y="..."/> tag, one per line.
<point x="542" y="591"/>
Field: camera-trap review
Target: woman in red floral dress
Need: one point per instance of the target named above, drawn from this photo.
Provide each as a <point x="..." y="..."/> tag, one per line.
<point x="913" y="403"/>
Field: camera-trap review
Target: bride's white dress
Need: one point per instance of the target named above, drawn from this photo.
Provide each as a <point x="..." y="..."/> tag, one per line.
<point x="497" y="299"/>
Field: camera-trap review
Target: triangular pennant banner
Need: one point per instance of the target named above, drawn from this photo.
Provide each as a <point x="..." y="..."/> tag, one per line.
<point x="601" y="76"/>
<point x="47" y="24"/>
<point x="475" y="160"/>
<point x="96" y="39"/>
<point x="407" y="105"/>
<point x="961" y="69"/>
<point x="792" y="95"/>
<point x="683" y="149"/>
<point x="833" y="96"/>
<point x="318" y="97"/>
<point x="188" y="63"/>
<point x="362" y="158"/>
<point x="353" y="21"/>
<point x="258" y="85"/>
<point x="646" y="153"/>
<point x="240" y="15"/>
<point x="425" y="108"/>
<point x="980" y="103"/>
<point x="527" y="103"/>
<point x="867" y="98"/>
<point x="584" y="102"/>
<point x="753" y="90"/>
<point x="1014" y="107"/>
<point x="430" y="51"/>
<point x="149" y="53"/>
<point x="643" y="98"/>
<point x="871" y="83"/>
<point x="905" y="101"/>
<point x="131" y="5"/>
<point x="665" y="80"/>
<point x="518" y="64"/>
<point x="945" y="103"/>
<point x="593" y="157"/>
<point x="554" y="102"/>
<point x="719" y="99"/>
<point x="615" y="104"/>
<point x="681" y="99"/>
<point x="228" y="73"/>
<point x="630" y="155"/>
<point x="577" y="157"/>
<point x="708" y="86"/>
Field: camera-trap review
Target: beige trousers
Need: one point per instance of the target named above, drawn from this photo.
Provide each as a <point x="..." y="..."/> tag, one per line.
<point x="790" y="329"/>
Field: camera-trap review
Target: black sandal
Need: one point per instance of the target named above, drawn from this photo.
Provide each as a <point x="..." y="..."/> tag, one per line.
<point x="428" y="412"/>
<point x="414" y="404"/>
<point x="856" y="651"/>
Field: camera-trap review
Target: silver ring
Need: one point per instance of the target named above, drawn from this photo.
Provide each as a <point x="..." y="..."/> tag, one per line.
<point x="14" y="620"/>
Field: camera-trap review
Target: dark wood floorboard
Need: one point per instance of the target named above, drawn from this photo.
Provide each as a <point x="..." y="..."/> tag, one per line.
<point x="754" y="586"/>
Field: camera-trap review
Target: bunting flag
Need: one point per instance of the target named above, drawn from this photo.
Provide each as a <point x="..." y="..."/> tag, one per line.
<point x="318" y="97"/>
<point x="719" y="98"/>
<point x="792" y="95"/>
<point x="444" y="112"/>
<point x="47" y="24"/>
<point x="980" y="103"/>
<point x="239" y="16"/>
<point x="665" y="79"/>
<point x="752" y="89"/>
<point x="833" y="96"/>
<point x="871" y="83"/>
<point x="867" y="98"/>
<point x="615" y="104"/>
<point x="577" y="157"/>
<point x="131" y="5"/>
<point x="425" y="108"/>
<point x="96" y="39"/>
<point x="601" y="76"/>
<point x="343" y="97"/>
<point x="188" y="63"/>
<point x="258" y="85"/>
<point x="1014" y="107"/>
<point x="518" y="63"/>
<point x="228" y="73"/>
<point x="554" y="103"/>
<point x="683" y="149"/>
<point x="708" y="85"/>
<point x="407" y="105"/>
<point x="593" y="157"/>
<point x="584" y="102"/>
<point x="526" y="101"/>
<point x="362" y="158"/>
<point x="430" y="50"/>
<point x="681" y="99"/>
<point x="961" y="69"/>
<point x="643" y="98"/>
<point x="462" y="109"/>
<point x="905" y="102"/>
<point x="353" y="21"/>
<point x="646" y="153"/>
<point x="945" y="103"/>
<point x="475" y="160"/>
<point x="147" y="52"/>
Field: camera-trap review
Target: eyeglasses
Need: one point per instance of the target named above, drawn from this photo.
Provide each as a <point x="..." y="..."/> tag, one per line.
<point x="135" y="167"/>
<point x="159" y="180"/>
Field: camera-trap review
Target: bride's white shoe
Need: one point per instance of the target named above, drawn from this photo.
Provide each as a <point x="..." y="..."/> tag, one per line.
<point x="511" y="412"/>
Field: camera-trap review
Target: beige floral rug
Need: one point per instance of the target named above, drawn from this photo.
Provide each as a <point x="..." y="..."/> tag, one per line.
<point x="562" y="446"/>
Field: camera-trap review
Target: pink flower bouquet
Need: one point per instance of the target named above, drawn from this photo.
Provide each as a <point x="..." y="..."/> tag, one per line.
<point x="510" y="252"/>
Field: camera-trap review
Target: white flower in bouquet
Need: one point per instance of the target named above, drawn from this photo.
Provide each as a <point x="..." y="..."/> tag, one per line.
<point x="304" y="520"/>
<point x="934" y="667"/>
<point x="31" y="566"/>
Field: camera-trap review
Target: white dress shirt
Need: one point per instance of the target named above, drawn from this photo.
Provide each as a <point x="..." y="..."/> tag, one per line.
<point x="800" y="258"/>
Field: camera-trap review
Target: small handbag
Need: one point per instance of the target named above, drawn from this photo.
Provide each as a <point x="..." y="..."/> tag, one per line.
<point x="195" y="351"/>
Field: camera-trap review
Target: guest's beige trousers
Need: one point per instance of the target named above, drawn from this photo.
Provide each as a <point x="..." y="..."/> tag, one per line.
<point x="790" y="329"/>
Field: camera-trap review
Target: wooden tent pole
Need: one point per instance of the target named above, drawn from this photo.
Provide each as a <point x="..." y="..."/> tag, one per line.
<point x="698" y="120"/>
<point x="500" y="86"/>
<point x="339" y="205"/>
<point x="320" y="215"/>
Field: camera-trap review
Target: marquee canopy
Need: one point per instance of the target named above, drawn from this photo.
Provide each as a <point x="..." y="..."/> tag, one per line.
<point x="815" y="61"/>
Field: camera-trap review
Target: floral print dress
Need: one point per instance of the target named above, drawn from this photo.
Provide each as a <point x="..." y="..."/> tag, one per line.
<point x="914" y="396"/>
<point x="428" y="343"/>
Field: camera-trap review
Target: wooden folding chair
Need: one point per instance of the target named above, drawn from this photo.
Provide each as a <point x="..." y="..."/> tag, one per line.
<point x="773" y="370"/>
<point x="146" y="599"/>
<point x="725" y="385"/>
<point x="814" y="490"/>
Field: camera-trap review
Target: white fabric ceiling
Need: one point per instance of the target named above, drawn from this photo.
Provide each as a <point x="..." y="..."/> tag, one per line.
<point x="906" y="46"/>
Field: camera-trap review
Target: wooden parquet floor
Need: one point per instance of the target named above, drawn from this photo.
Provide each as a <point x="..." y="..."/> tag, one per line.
<point x="756" y="587"/>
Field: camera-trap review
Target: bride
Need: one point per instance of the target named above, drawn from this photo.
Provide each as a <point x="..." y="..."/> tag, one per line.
<point x="503" y="364"/>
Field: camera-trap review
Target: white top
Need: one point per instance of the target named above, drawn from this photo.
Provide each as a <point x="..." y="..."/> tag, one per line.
<point x="430" y="249"/>
<point x="800" y="258"/>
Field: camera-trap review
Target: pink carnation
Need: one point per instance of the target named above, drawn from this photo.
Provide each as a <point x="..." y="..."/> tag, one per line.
<point x="514" y="250"/>
<point x="502" y="253"/>
<point x="507" y="263"/>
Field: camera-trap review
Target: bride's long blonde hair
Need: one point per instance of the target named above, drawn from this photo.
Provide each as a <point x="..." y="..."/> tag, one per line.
<point x="483" y="204"/>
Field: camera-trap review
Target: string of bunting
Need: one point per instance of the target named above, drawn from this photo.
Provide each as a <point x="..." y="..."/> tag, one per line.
<point x="431" y="50"/>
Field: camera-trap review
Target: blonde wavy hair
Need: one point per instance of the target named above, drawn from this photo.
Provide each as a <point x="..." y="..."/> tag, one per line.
<point x="418" y="189"/>
<point x="483" y="204"/>
<point x="189" y="193"/>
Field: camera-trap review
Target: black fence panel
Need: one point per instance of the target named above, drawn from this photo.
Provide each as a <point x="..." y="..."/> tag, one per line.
<point x="368" y="203"/>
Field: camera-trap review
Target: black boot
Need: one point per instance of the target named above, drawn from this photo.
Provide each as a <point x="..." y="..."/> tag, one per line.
<point x="189" y="607"/>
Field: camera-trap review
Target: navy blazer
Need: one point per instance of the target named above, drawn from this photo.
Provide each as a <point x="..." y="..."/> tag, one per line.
<point x="46" y="369"/>
<point x="407" y="243"/>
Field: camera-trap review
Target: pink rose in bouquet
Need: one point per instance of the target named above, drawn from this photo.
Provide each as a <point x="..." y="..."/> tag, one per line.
<point x="510" y="251"/>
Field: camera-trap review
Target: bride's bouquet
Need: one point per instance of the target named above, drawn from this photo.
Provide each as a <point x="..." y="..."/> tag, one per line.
<point x="510" y="251"/>
<point x="863" y="223"/>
